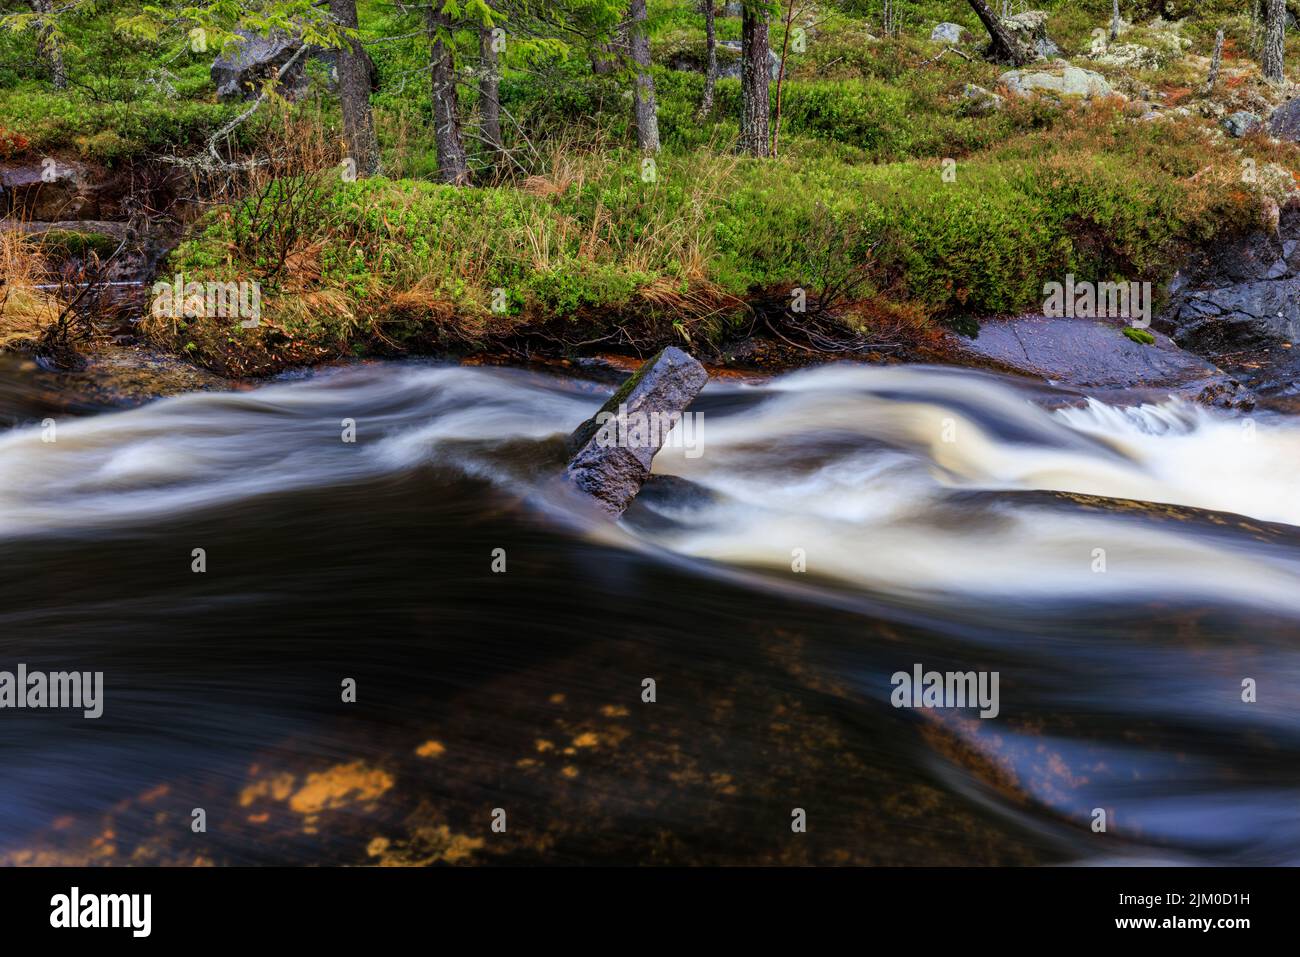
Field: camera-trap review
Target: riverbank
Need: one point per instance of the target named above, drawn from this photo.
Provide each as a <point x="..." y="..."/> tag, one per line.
<point x="907" y="199"/>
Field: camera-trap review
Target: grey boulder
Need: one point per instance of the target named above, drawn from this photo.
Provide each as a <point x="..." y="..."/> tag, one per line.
<point x="949" y="33"/>
<point x="1094" y="354"/>
<point x="244" y="64"/>
<point x="1241" y="124"/>
<point x="242" y="67"/>
<point x="733" y="69"/>
<point x="1284" y="123"/>
<point x="612" y="452"/>
<point x="1057" y="80"/>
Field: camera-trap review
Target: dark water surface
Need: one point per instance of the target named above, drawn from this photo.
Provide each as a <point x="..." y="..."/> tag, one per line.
<point x="946" y="519"/>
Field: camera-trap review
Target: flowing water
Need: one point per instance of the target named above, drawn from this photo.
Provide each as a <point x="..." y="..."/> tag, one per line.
<point x="1124" y="571"/>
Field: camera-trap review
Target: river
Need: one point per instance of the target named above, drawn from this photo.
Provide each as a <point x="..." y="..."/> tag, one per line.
<point x="1131" y="575"/>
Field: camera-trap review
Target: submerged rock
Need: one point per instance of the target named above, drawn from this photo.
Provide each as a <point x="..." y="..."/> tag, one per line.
<point x="614" y="449"/>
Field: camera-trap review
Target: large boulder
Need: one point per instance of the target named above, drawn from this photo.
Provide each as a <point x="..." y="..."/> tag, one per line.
<point x="244" y="65"/>
<point x="1284" y="123"/>
<point x="1057" y="80"/>
<point x="949" y="33"/>
<point x="614" y="449"/>
<point x="732" y="69"/>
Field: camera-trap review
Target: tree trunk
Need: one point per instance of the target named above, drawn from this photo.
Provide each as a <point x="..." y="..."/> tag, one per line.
<point x="489" y="93"/>
<point x="1274" y="41"/>
<point x="1114" y="20"/>
<point x="354" y="95"/>
<point x="780" y="76"/>
<point x="1215" y="63"/>
<point x="647" y="113"/>
<point x="452" y="165"/>
<point x="1003" y="46"/>
<point x="711" y="70"/>
<point x="47" y="44"/>
<point x="755" y="77"/>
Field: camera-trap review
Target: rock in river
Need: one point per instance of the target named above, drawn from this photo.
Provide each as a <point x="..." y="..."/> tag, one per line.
<point x="613" y="450"/>
<point x="1094" y="355"/>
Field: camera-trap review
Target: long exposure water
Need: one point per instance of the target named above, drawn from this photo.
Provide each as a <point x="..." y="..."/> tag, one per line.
<point x="1128" y="573"/>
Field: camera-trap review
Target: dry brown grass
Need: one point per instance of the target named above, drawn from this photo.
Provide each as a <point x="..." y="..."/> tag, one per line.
<point x="25" y="311"/>
<point x="295" y="142"/>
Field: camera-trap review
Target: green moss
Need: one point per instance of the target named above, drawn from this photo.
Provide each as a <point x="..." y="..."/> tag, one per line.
<point x="1140" y="336"/>
<point x="65" y="242"/>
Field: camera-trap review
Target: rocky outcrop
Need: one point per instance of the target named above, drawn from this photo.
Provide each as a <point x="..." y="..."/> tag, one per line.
<point x="1161" y="43"/>
<point x="613" y="450"/>
<point x="1095" y="354"/>
<point x="50" y="189"/>
<point x="130" y="258"/>
<point x="693" y="59"/>
<point x="1242" y="294"/>
<point x="1131" y="56"/>
<point x="102" y="231"/>
<point x="1058" y="80"/>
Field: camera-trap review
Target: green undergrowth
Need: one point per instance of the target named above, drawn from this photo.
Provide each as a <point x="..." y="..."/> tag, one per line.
<point x="592" y="247"/>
